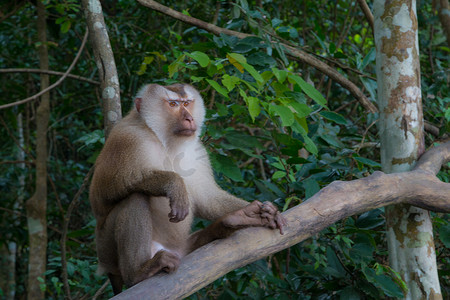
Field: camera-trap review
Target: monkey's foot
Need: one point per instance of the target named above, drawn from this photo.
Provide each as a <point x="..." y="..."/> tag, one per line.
<point x="162" y="261"/>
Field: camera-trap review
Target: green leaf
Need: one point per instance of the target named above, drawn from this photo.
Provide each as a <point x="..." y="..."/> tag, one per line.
<point x="278" y="175"/>
<point x="332" y="140"/>
<point x="309" y="90"/>
<point x="335" y="117"/>
<point x="302" y="110"/>
<point x="389" y="287"/>
<point x="311" y="187"/>
<point x="286" y="115"/>
<point x="367" y="161"/>
<point x="444" y="235"/>
<point x="174" y="67"/>
<point x="387" y="284"/>
<point x="309" y="144"/>
<point x="222" y="110"/>
<point x="218" y="88"/>
<point x="200" y="57"/>
<point x="237" y="60"/>
<point x="281" y="75"/>
<point x="334" y="265"/>
<point x="230" y="81"/>
<point x="368" y="59"/>
<point x="253" y="107"/>
<point x="370" y="219"/>
<point x="253" y="72"/>
<point x="349" y="293"/>
<point x="332" y="48"/>
<point x="65" y="26"/>
<point x="227" y="167"/>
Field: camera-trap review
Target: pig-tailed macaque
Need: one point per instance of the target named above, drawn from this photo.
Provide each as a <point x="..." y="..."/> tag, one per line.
<point x="151" y="178"/>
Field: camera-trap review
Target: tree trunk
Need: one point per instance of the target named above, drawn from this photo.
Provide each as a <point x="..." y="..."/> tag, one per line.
<point x="37" y="204"/>
<point x="104" y="58"/>
<point x="409" y="229"/>
<point x="8" y="251"/>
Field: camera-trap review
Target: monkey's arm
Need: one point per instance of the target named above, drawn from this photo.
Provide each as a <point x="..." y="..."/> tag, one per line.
<point x="107" y="189"/>
<point x="253" y="214"/>
<point x="167" y="184"/>
<point x="215" y="203"/>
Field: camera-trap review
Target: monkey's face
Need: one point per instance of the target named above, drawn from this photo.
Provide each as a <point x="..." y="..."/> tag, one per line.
<point x="181" y="111"/>
<point x="171" y="111"/>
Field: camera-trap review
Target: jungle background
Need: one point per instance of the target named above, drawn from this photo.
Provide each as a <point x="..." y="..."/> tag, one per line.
<point x="262" y="146"/>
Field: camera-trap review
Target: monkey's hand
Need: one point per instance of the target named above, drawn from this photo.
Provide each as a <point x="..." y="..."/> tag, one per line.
<point x="257" y="214"/>
<point x="179" y="206"/>
<point x="273" y="218"/>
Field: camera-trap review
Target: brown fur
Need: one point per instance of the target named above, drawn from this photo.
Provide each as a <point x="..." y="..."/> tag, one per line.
<point x="148" y="184"/>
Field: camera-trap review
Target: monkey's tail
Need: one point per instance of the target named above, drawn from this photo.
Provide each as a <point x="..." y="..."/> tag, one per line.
<point x="101" y="270"/>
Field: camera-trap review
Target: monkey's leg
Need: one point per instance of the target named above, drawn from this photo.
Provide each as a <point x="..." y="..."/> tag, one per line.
<point x="255" y="214"/>
<point x="133" y="234"/>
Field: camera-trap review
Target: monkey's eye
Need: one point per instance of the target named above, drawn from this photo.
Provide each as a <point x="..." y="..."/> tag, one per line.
<point x="173" y="103"/>
<point x="186" y="103"/>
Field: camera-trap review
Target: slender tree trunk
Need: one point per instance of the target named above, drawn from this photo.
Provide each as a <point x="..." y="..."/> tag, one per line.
<point x="37" y="204"/>
<point x="104" y="58"/>
<point x="409" y="229"/>
<point x="8" y="252"/>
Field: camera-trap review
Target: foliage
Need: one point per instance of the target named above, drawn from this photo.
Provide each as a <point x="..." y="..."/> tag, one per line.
<point x="276" y="130"/>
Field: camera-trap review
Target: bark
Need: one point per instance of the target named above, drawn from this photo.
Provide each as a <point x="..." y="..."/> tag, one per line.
<point x="37" y="205"/>
<point x="444" y="16"/>
<point x="339" y="200"/>
<point x="409" y="229"/>
<point x="104" y="58"/>
<point x="293" y="52"/>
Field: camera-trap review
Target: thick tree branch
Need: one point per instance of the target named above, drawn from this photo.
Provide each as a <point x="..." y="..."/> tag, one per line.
<point x="34" y="97"/>
<point x="338" y="200"/>
<point x="293" y="52"/>
<point x="49" y="72"/>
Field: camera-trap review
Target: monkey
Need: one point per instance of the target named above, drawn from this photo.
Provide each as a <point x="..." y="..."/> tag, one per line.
<point x="151" y="178"/>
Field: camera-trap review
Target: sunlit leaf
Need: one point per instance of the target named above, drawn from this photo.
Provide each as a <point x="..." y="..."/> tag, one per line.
<point x="218" y="88"/>
<point x="200" y="57"/>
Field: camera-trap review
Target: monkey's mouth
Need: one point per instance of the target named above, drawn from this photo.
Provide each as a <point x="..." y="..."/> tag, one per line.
<point x="185" y="132"/>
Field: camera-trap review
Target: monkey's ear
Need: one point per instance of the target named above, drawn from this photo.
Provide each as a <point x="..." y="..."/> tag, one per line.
<point x="137" y="102"/>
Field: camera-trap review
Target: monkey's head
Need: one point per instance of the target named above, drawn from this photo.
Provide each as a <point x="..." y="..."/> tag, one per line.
<point x="174" y="111"/>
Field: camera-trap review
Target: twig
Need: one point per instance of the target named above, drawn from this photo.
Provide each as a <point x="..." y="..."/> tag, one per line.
<point x="49" y="72"/>
<point x="7" y="162"/>
<point x="66" y="221"/>
<point x="366" y="10"/>
<point x="56" y="83"/>
<point x="101" y="290"/>
<point x="293" y="52"/>
<point x="17" y="6"/>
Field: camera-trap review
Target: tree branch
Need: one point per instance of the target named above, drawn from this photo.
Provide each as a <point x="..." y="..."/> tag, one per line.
<point x="366" y="10"/>
<point x="293" y="52"/>
<point x="336" y="201"/>
<point x="56" y="83"/>
<point x="49" y="72"/>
